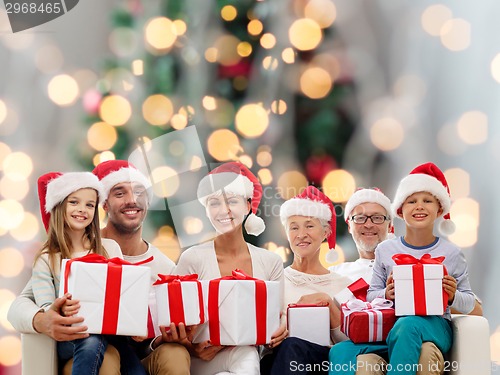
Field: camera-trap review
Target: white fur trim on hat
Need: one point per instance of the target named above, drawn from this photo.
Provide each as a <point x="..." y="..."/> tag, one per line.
<point x="232" y="183"/>
<point x="304" y="207"/>
<point x="125" y="175"/>
<point x="420" y="182"/>
<point x="367" y="196"/>
<point x="254" y="225"/>
<point x="59" y="188"/>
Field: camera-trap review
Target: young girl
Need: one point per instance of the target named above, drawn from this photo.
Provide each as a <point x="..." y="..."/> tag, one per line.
<point x="231" y="195"/>
<point x="69" y="203"/>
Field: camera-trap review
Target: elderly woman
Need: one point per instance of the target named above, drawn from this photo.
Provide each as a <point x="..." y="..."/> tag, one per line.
<point x="231" y="195"/>
<point x="309" y="219"/>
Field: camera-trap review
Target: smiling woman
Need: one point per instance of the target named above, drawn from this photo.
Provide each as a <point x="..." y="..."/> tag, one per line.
<point x="230" y="195"/>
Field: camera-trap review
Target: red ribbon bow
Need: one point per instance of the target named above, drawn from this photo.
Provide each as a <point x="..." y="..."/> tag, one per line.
<point x="260" y="306"/>
<point x="418" y="278"/>
<point x="113" y="286"/>
<point x="175" y="302"/>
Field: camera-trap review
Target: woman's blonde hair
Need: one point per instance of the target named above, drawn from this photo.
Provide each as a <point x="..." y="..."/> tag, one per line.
<point x="58" y="240"/>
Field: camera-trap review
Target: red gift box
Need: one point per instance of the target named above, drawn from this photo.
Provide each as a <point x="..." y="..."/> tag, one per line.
<point x="367" y="322"/>
<point x="356" y="290"/>
<point x="418" y="285"/>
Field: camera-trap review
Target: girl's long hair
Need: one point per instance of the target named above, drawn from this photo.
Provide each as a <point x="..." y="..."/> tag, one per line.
<point x="58" y="240"/>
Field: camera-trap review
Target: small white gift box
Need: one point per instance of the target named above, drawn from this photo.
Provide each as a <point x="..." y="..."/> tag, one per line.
<point x="309" y="322"/>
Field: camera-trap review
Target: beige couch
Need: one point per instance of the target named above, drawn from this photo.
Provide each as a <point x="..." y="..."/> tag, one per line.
<point x="470" y="354"/>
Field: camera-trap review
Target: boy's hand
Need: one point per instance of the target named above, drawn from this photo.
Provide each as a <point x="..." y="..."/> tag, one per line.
<point x="70" y="306"/>
<point x="389" y="289"/>
<point x="450" y="287"/>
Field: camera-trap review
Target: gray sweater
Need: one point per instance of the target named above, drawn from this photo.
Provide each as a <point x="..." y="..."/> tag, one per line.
<point x="454" y="261"/>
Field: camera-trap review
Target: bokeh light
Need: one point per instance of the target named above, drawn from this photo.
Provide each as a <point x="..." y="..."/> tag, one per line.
<point x="265" y="176"/>
<point x="157" y="109"/>
<point x="14" y="189"/>
<point x="315" y="83"/>
<point x="288" y="55"/>
<point x="458" y="182"/>
<point x="279" y="107"/>
<point x="166" y="181"/>
<point x="465" y="214"/>
<point x="102" y="136"/>
<point x="11" y="262"/>
<point x="192" y="225"/>
<point x="264" y="157"/>
<point x="63" y="90"/>
<point x="28" y="229"/>
<point x="251" y="120"/>
<point x="323" y="12"/>
<point x="227" y="50"/>
<point x="10" y="350"/>
<point x="291" y="183"/>
<point x="228" y="13"/>
<point x="339" y="185"/>
<point x="434" y="17"/>
<point x="167" y="242"/>
<point x="305" y="34"/>
<point x="456" y="34"/>
<point x="255" y="27"/>
<point x="268" y="41"/>
<point x="282" y="251"/>
<point x="381" y="128"/>
<point x="472" y="127"/>
<point x="17" y="166"/>
<point x="160" y="34"/>
<point x="6" y="299"/>
<point x="223" y="145"/>
<point x="11" y="213"/>
<point x="246" y="160"/>
<point x="115" y="110"/>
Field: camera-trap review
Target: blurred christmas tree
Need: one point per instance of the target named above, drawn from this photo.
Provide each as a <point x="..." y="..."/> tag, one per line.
<point x="262" y="81"/>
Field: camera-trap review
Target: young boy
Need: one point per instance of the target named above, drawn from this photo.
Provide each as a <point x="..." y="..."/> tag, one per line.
<point x="422" y="198"/>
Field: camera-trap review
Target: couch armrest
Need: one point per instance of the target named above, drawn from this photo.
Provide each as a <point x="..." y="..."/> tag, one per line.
<point x="39" y="354"/>
<point x="470" y="353"/>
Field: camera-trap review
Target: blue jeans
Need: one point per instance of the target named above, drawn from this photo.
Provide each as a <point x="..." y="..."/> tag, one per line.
<point x="296" y="356"/>
<point x="87" y="354"/>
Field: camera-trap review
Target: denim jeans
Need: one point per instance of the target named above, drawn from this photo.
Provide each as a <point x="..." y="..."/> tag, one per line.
<point x="87" y="354"/>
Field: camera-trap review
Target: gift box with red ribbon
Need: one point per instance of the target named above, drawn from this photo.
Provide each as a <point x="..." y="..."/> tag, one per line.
<point x="367" y="322"/>
<point x="113" y="293"/>
<point x="240" y="310"/>
<point x="179" y="299"/>
<point x="309" y="322"/>
<point x="418" y="285"/>
<point x="356" y="290"/>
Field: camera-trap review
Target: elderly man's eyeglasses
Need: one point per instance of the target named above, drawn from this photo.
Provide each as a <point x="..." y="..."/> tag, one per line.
<point x="376" y="219"/>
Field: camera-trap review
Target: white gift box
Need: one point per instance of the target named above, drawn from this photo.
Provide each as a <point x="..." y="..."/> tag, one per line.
<point x="118" y="306"/>
<point x="231" y="309"/>
<point x="311" y="323"/>
<point x="187" y="309"/>
<point x="419" y="292"/>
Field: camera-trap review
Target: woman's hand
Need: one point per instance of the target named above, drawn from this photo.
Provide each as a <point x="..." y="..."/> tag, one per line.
<point x="450" y="287"/>
<point x="278" y="336"/>
<point x="70" y="306"/>
<point x="179" y="334"/>
<point x="320" y="299"/>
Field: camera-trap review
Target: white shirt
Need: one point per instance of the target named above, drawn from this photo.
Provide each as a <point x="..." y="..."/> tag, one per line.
<point x="354" y="270"/>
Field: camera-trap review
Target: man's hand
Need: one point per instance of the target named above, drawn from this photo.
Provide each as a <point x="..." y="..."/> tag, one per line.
<point x="52" y="324"/>
<point x="173" y="333"/>
<point x="204" y="350"/>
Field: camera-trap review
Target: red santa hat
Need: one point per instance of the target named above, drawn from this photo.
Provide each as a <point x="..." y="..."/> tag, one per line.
<point x="234" y="178"/>
<point x="429" y="178"/>
<point x="112" y="172"/>
<point x="313" y="203"/>
<point x="54" y="187"/>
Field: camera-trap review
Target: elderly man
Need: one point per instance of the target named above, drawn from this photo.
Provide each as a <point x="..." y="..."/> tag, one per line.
<point x="126" y="203"/>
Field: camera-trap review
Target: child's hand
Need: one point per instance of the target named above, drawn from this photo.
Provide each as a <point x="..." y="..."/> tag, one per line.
<point x="139" y="338"/>
<point x="389" y="289"/>
<point x="70" y="306"/>
<point x="450" y="287"/>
